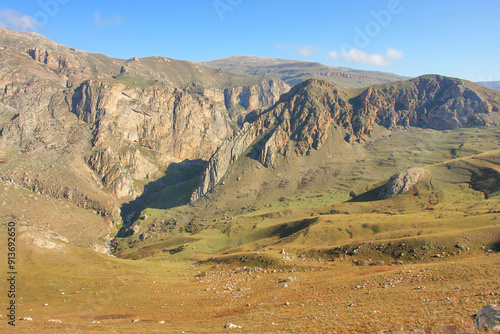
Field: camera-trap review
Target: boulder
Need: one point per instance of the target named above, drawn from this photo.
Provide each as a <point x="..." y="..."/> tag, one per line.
<point x="489" y="318"/>
<point x="401" y="183"/>
<point x="231" y="326"/>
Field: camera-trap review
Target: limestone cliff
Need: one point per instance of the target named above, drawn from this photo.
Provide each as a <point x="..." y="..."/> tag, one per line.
<point x="429" y="101"/>
<point x="225" y="155"/>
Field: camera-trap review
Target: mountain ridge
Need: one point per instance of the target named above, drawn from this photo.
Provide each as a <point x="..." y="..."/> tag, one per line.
<point x="296" y="71"/>
<point x="300" y="120"/>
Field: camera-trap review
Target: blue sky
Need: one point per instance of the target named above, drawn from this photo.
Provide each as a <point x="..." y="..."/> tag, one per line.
<point x="409" y="37"/>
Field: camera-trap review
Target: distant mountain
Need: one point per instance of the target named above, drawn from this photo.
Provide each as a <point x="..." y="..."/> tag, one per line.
<point x="491" y="84"/>
<point x="294" y="72"/>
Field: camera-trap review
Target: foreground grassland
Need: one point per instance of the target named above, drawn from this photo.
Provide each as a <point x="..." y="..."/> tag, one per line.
<point x="89" y="292"/>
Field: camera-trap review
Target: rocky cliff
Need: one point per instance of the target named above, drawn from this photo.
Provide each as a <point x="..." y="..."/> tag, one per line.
<point x="239" y="100"/>
<point x="126" y="121"/>
<point x="303" y="118"/>
<point x="430" y="101"/>
<point x="225" y="155"/>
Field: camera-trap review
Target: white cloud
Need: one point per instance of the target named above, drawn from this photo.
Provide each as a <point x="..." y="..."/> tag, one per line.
<point x="358" y="56"/>
<point x="307" y="51"/>
<point x="15" y="20"/>
<point x="394" y="54"/>
<point x="108" y="21"/>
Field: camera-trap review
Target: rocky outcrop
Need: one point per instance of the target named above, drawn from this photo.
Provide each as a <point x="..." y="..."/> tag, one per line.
<point x="54" y="62"/>
<point x="488" y="318"/>
<point x="137" y="133"/>
<point x="226" y="154"/>
<point x="303" y="116"/>
<point x="401" y="183"/>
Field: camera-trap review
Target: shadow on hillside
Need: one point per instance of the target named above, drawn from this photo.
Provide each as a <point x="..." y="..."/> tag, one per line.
<point x="171" y="190"/>
<point x="369" y="196"/>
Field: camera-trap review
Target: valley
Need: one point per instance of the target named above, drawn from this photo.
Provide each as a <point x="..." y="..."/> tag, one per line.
<point x="159" y="195"/>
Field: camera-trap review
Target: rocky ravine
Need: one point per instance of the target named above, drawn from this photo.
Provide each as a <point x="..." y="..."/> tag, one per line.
<point x="301" y="120"/>
<point x="125" y="120"/>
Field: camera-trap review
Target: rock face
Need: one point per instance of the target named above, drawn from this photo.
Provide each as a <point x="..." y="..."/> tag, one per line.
<point x="135" y="130"/>
<point x="488" y="318"/>
<point x="430" y="101"/>
<point x="402" y="182"/>
<point x="225" y="155"/>
<point x="127" y="121"/>
<point x="303" y="118"/>
<point x="238" y="99"/>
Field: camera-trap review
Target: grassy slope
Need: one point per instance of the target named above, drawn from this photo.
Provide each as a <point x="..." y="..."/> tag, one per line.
<point x="81" y="226"/>
<point x="92" y="293"/>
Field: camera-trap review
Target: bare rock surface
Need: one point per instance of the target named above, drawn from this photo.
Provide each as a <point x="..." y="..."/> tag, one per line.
<point x="402" y="182"/>
<point x="488" y="318"/>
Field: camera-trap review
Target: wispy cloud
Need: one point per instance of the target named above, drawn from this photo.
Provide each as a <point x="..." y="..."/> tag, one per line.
<point x="358" y="56"/>
<point x="281" y="46"/>
<point x="307" y="51"/>
<point x="107" y="21"/>
<point x="15" y="20"/>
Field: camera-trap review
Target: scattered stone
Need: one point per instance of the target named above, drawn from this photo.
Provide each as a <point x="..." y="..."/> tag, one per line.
<point x="230" y="326"/>
<point x="26" y="319"/>
<point x="136" y="320"/>
<point x="56" y="321"/>
<point x="96" y="322"/>
<point x="489" y="318"/>
<point x="161" y="321"/>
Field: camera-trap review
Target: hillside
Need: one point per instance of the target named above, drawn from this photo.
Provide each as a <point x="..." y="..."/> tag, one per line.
<point x="315" y="234"/>
<point x="294" y="72"/>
